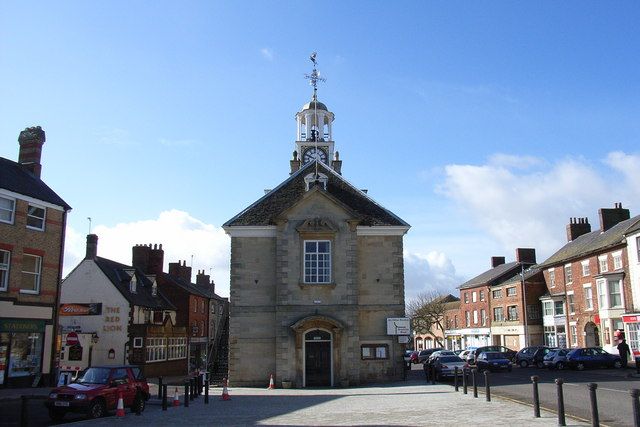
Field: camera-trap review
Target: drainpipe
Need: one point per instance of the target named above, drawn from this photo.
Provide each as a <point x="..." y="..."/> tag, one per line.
<point x="56" y="326"/>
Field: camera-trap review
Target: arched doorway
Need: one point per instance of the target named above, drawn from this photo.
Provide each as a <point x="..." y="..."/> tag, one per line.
<point x="591" y="335"/>
<point x="317" y="358"/>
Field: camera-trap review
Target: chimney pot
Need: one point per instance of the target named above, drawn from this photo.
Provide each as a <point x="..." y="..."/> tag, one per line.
<point x="30" y="141"/>
<point x="609" y="217"/>
<point x="92" y="246"/>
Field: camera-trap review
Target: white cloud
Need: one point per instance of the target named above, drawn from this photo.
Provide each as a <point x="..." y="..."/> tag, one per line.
<point x="180" y="234"/>
<point x="431" y="272"/>
<point x="531" y="208"/>
<point x="267" y="53"/>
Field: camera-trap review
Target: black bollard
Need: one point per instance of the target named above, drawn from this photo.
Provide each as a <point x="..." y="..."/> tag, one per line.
<point x="199" y="385"/>
<point x="635" y="393"/>
<point x="164" y="397"/>
<point x="159" y="387"/>
<point x="536" y="397"/>
<point x="186" y="394"/>
<point x="192" y="383"/>
<point x="206" y="391"/>
<point x="464" y="380"/>
<point x="561" y="419"/>
<point x="24" y="422"/>
<point x="474" y="372"/>
<point x="595" y="418"/>
<point x="433" y="374"/>
<point x="637" y="365"/>
<point x="455" y="377"/>
<point x="487" y="387"/>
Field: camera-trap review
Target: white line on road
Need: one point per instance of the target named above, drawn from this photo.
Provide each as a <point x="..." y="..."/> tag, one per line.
<point x="599" y="388"/>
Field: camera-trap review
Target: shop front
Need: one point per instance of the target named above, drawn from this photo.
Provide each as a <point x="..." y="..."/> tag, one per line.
<point x="21" y="351"/>
<point x="475" y="337"/>
<point x="632" y="332"/>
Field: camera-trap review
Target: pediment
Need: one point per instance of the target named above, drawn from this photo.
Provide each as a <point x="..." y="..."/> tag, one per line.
<point x="317" y="225"/>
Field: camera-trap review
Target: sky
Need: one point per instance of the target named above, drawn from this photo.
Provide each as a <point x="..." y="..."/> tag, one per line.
<point x="485" y="125"/>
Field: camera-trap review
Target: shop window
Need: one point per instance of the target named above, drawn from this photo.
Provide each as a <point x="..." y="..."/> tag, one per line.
<point x="317" y="261"/>
<point x="374" y="351"/>
<point x="31" y="272"/>
<point x="7" y="209"/>
<point x="633" y="335"/>
<point x="35" y="217"/>
<point x="24" y="359"/>
<point x="5" y="262"/>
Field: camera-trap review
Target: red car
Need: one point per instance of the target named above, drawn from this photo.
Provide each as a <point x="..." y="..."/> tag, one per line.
<point x="97" y="391"/>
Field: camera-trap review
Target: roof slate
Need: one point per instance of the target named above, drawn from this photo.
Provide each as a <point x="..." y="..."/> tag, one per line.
<point x="265" y="211"/>
<point x="493" y="276"/>
<point x="118" y="276"/>
<point x="15" y="178"/>
<point x="592" y="242"/>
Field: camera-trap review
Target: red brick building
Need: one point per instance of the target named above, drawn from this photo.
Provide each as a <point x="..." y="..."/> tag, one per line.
<point x="32" y="226"/>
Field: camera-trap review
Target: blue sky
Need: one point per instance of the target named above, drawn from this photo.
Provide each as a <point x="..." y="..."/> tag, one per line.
<point x="485" y="125"/>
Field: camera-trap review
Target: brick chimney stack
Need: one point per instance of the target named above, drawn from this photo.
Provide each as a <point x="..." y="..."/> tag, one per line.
<point x="295" y="163"/>
<point x="577" y="227"/>
<point x="610" y="217"/>
<point x="496" y="261"/>
<point x="92" y="246"/>
<point x="205" y="280"/>
<point x="31" y="141"/>
<point x="180" y="270"/>
<point x="526" y="255"/>
<point x="148" y="258"/>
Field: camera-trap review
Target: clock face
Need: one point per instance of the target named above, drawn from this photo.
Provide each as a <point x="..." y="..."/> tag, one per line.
<point x="314" y="153"/>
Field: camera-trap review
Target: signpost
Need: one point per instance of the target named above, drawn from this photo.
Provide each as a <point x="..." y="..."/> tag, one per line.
<point x="398" y="326"/>
<point x="72" y="339"/>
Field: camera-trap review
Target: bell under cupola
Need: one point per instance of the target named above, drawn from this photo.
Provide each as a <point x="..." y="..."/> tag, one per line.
<point x="314" y="133"/>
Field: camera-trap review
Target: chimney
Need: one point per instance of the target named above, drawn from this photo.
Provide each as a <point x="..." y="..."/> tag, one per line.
<point x="92" y="246"/>
<point x="577" y="227"/>
<point x="180" y="270"/>
<point x="611" y="217"/>
<point x="496" y="261"/>
<point x="148" y="258"/>
<point x="336" y="163"/>
<point x="156" y="260"/>
<point x="526" y="255"/>
<point x="202" y="279"/>
<point x="30" y="141"/>
<point x="295" y="163"/>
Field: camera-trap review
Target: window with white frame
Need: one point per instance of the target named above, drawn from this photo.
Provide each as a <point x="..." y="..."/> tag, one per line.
<point x="633" y="335"/>
<point x="481" y="295"/>
<point x="547" y="308"/>
<point x="512" y="312"/>
<point x="497" y="293"/>
<point x="498" y="314"/>
<point x="602" y="293"/>
<point x="558" y="308"/>
<point x="585" y="268"/>
<point x="572" y="304"/>
<point x="317" y="261"/>
<point x="588" y="298"/>
<point x="574" y="335"/>
<point x="568" y="274"/>
<point x="552" y="278"/>
<point x="474" y="296"/>
<point x="374" y="351"/>
<point x="483" y="317"/>
<point x="177" y="348"/>
<point x="133" y="284"/>
<point x="156" y="349"/>
<point x="602" y="264"/>
<point x="550" y="336"/>
<point x="31" y="274"/>
<point x="35" y="217"/>
<point x="466" y="297"/>
<point x="5" y="262"/>
<point x="475" y="317"/>
<point x="609" y="293"/>
<point x="511" y="292"/>
<point x="617" y="260"/>
<point x="467" y="316"/>
<point x="7" y="209"/>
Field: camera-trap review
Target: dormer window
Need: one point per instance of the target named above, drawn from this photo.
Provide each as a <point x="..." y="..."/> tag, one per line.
<point x="133" y="284"/>
<point x="154" y="289"/>
<point x="314" y="179"/>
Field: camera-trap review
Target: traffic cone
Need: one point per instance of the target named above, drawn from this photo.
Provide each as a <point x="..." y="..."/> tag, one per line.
<point x="271" y="384"/>
<point x="176" y="398"/>
<point x="225" y="392"/>
<point x="120" y="408"/>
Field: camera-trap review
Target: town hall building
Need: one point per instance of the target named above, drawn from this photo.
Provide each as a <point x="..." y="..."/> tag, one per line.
<point x="316" y="270"/>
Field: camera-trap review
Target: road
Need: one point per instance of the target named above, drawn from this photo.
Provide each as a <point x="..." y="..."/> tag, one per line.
<point x="614" y="401"/>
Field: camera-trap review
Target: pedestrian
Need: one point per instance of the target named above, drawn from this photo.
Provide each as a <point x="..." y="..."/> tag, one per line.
<point x="623" y="350"/>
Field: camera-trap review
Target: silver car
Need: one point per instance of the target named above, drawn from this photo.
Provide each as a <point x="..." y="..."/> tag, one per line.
<point x="445" y="366"/>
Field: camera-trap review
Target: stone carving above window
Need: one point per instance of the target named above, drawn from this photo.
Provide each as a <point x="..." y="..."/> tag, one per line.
<point x="316" y="225"/>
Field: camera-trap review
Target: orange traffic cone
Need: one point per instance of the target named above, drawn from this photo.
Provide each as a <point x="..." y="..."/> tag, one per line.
<point x="225" y="392"/>
<point x="271" y="384"/>
<point x="120" y="408"/>
<point x="176" y="398"/>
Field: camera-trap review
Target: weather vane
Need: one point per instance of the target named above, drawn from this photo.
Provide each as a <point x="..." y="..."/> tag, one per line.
<point x="314" y="77"/>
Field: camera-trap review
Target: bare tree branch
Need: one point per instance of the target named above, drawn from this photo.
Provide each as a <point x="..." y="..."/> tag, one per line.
<point x="426" y="312"/>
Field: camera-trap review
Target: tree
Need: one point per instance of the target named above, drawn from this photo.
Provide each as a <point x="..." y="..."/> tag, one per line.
<point x="426" y="313"/>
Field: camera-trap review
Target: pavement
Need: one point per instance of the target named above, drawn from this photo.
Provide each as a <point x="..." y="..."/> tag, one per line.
<point x="406" y="403"/>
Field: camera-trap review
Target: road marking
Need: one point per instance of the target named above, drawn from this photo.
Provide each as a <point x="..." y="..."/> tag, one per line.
<point x="599" y="388"/>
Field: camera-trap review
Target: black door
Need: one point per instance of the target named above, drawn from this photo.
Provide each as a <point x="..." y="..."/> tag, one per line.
<point x="318" y="364"/>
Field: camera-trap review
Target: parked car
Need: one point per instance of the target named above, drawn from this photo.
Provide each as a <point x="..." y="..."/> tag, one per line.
<point x="510" y="354"/>
<point x="437" y="354"/>
<point x="493" y="361"/>
<point x="532" y="356"/>
<point x="457" y="352"/>
<point x="445" y="366"/>
<point x="592" y="357"/>
<point x="556" y="359"/>
<point x="411" y="356"/>
<point x="424" y="354"/>
<point x="471" y="357"/>
<point x="97" y="390"/>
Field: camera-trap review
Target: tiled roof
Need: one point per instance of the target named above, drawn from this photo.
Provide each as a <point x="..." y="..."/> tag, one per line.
<point x="186" y="285"/>
<point x="634" y="228"/>
<point x="264" y="211"/>
<point x="494" y="276"/>
<point x="207" y="290"/>
<point x="592" y="242"/>
<point x="515" y="276"/>
<point x="15" y="178"/>
<point x="117" y="274"/>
